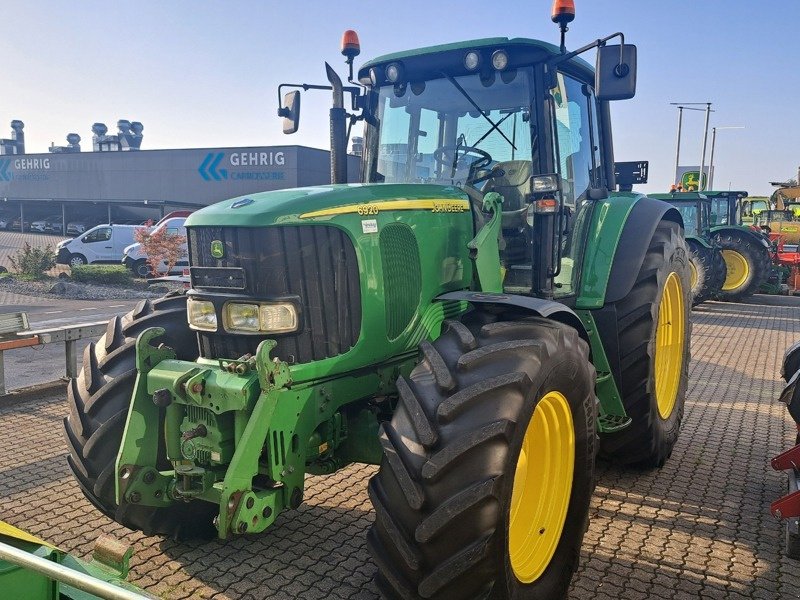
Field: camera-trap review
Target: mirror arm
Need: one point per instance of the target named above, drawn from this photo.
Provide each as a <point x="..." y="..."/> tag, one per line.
<point x="284" y="112"/>
<point x="595" y="44"/>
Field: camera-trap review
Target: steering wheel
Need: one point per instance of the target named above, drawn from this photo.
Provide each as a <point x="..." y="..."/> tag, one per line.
<point x="450" y="156"/>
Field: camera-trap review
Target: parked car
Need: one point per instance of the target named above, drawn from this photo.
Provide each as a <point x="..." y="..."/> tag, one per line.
<point x="15" y="225"/>
<point x="5" y="221"/>
<point x="101" y="244"/>
<point x="172" y="215"/>
<point x="80" y="226"/>
<point x="136" y="259"/>
<point x="51" y="223"/>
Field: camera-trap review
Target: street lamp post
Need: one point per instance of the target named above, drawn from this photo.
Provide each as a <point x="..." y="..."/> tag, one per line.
<point x="713" y="143"/>
<point x="689" y="106"/>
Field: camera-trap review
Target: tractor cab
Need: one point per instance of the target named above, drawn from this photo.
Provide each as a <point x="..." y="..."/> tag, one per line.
<point x="695" y="208"/>
<point x="489" y="116"/>
<point x="731" y="208"/>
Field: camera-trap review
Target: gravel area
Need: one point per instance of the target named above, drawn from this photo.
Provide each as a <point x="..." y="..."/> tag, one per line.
<point x="82" y="291"/>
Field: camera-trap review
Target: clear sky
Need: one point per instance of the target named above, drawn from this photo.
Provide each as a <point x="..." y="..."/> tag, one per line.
<point x="201" y="74"/>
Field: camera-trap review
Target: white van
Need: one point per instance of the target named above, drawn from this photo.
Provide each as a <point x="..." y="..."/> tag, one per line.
<point x="136" y="260"/>
<point x="101" y="244"/>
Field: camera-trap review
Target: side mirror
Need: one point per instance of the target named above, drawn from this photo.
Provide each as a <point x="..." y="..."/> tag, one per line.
<point x="290" y="111"/>
<point x="615" y="72"/>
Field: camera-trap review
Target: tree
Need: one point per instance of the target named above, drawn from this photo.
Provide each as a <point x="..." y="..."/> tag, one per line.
<point x="160" y="247"/>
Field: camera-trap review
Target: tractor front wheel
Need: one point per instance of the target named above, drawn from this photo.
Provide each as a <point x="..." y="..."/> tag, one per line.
<point x="485" y="483"/>
<point x="98" y="401"/>
<point x="653" y="330"/>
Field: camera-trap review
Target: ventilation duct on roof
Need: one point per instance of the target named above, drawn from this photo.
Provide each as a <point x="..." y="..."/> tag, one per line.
<point x="16" y="145"/>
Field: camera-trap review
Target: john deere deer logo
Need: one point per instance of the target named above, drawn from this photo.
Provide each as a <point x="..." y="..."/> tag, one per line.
<point x="217" y="249"/>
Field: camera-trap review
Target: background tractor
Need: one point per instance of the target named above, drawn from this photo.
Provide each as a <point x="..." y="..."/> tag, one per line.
<point x="473" y="317"/>
<point x="745" y="249"/>
<point x="708" y="271"/>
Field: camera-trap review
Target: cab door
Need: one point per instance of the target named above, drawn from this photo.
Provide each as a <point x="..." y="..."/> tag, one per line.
<point x="98" y="246"/>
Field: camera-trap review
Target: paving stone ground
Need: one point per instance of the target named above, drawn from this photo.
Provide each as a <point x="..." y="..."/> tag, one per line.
<point x="11" y="241"/>
<point x="698" y="528"/>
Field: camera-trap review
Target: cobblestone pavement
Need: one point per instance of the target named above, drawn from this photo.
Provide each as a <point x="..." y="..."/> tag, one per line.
<point x="11" y="241"/>
<point x="698" y="528"/>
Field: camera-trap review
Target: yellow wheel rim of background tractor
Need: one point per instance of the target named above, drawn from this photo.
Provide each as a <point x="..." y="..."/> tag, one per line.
<point x="738" y="270"/>
<point x="542" y="487"/>
<point x="669" y="345"/>
<point x="693" y="274"/>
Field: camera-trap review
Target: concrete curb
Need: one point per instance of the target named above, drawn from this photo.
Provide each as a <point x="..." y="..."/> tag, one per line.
<point x="34" y="392"/>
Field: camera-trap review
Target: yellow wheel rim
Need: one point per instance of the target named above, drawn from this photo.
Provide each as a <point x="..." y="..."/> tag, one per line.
<point x="738" y="270"/>
<point x="669" y="345"/>
<point x="542" y="487"/>
<point x="693" y="274"/>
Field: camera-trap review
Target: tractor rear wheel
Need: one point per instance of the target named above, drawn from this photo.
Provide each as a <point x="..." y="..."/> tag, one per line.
<point x="707" y="271"/>
<point x="654" y="330"/>
<point x="98" y="401"/>
<point x="488" y="464"/>
<point x="747" y="262"/>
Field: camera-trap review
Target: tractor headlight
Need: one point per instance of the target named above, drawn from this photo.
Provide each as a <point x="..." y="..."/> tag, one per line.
<point x="472" y="60"/>
<point x="277" y="317"/>
<point x="240" y="317"/>
<point x="202" y="315"/>
<point x="499" y="59"/>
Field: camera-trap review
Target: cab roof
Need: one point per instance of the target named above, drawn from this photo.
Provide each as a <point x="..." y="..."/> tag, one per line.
<point x="679" y="196"/>
<point x="479" y="44"/>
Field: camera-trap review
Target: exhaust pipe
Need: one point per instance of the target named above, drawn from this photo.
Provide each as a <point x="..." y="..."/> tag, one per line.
<point x="338" y="118"/>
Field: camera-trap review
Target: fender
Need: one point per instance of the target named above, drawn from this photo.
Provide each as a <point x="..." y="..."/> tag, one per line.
<point x="700" y="241"/>
<point x="740" y="229"/>
<point x="621" y="227"/>
<point x="538" y="306"/>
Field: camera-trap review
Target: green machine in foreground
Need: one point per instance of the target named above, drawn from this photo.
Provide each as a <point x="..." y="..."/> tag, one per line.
<point x="479" y="317"/>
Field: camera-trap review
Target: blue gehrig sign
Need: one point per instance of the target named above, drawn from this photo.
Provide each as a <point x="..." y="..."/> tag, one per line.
<point x="219" y="166"/>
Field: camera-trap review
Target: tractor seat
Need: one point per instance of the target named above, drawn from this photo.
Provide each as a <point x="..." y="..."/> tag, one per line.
<point x="513" y="185"/>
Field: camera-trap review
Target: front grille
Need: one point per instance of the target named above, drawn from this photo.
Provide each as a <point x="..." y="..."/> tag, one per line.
<point x="315" y="263"/>
<point x="402" y="280"/>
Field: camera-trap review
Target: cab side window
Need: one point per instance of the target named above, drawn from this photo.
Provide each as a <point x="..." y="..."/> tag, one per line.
<point x="573" y="138"/>
<point x="98" y="235"/>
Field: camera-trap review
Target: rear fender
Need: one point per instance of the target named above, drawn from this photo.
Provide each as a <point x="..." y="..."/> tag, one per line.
<point x="699" y="241"/>
<point x="741" y="231"/>
<point x="622" y="227"/>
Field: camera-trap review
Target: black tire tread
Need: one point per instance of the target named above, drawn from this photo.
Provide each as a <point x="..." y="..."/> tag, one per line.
<point x="757" y="255"/>
<point x="646" y="441"/>
<point x="98" y="401"/>
<point x="426" y="496"/>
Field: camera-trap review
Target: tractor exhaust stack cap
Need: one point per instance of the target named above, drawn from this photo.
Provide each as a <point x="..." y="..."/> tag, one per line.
<point x="351" y="47"/>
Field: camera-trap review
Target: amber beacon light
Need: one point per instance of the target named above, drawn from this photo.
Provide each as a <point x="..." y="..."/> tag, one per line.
<point x="563" y="11"/>
<point x="350" y="44"/>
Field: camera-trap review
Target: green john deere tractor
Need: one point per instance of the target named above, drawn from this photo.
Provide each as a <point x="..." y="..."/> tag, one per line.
<point x="708" y="271"/>
<point x="476" y="318"/>
<point x="744" y="248"/>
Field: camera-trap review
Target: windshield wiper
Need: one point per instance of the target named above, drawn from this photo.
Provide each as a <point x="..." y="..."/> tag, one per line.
<point x="478" y="108"/>
<point x="485" y="135"/>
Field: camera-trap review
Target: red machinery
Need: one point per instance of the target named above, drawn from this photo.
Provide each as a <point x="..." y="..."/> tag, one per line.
<point x="788" y="260"/>
<point x="788" y="507"/>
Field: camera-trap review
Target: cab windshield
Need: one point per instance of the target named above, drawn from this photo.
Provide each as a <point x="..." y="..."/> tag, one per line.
<point x="689" y="214"/>
<point x="451" y="130"/>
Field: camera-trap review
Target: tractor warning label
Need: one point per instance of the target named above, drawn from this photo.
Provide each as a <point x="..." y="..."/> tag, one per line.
<point x="369" y="226"/>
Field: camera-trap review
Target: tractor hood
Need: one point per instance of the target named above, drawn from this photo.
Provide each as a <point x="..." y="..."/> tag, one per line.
<point x="304" y="205"/>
